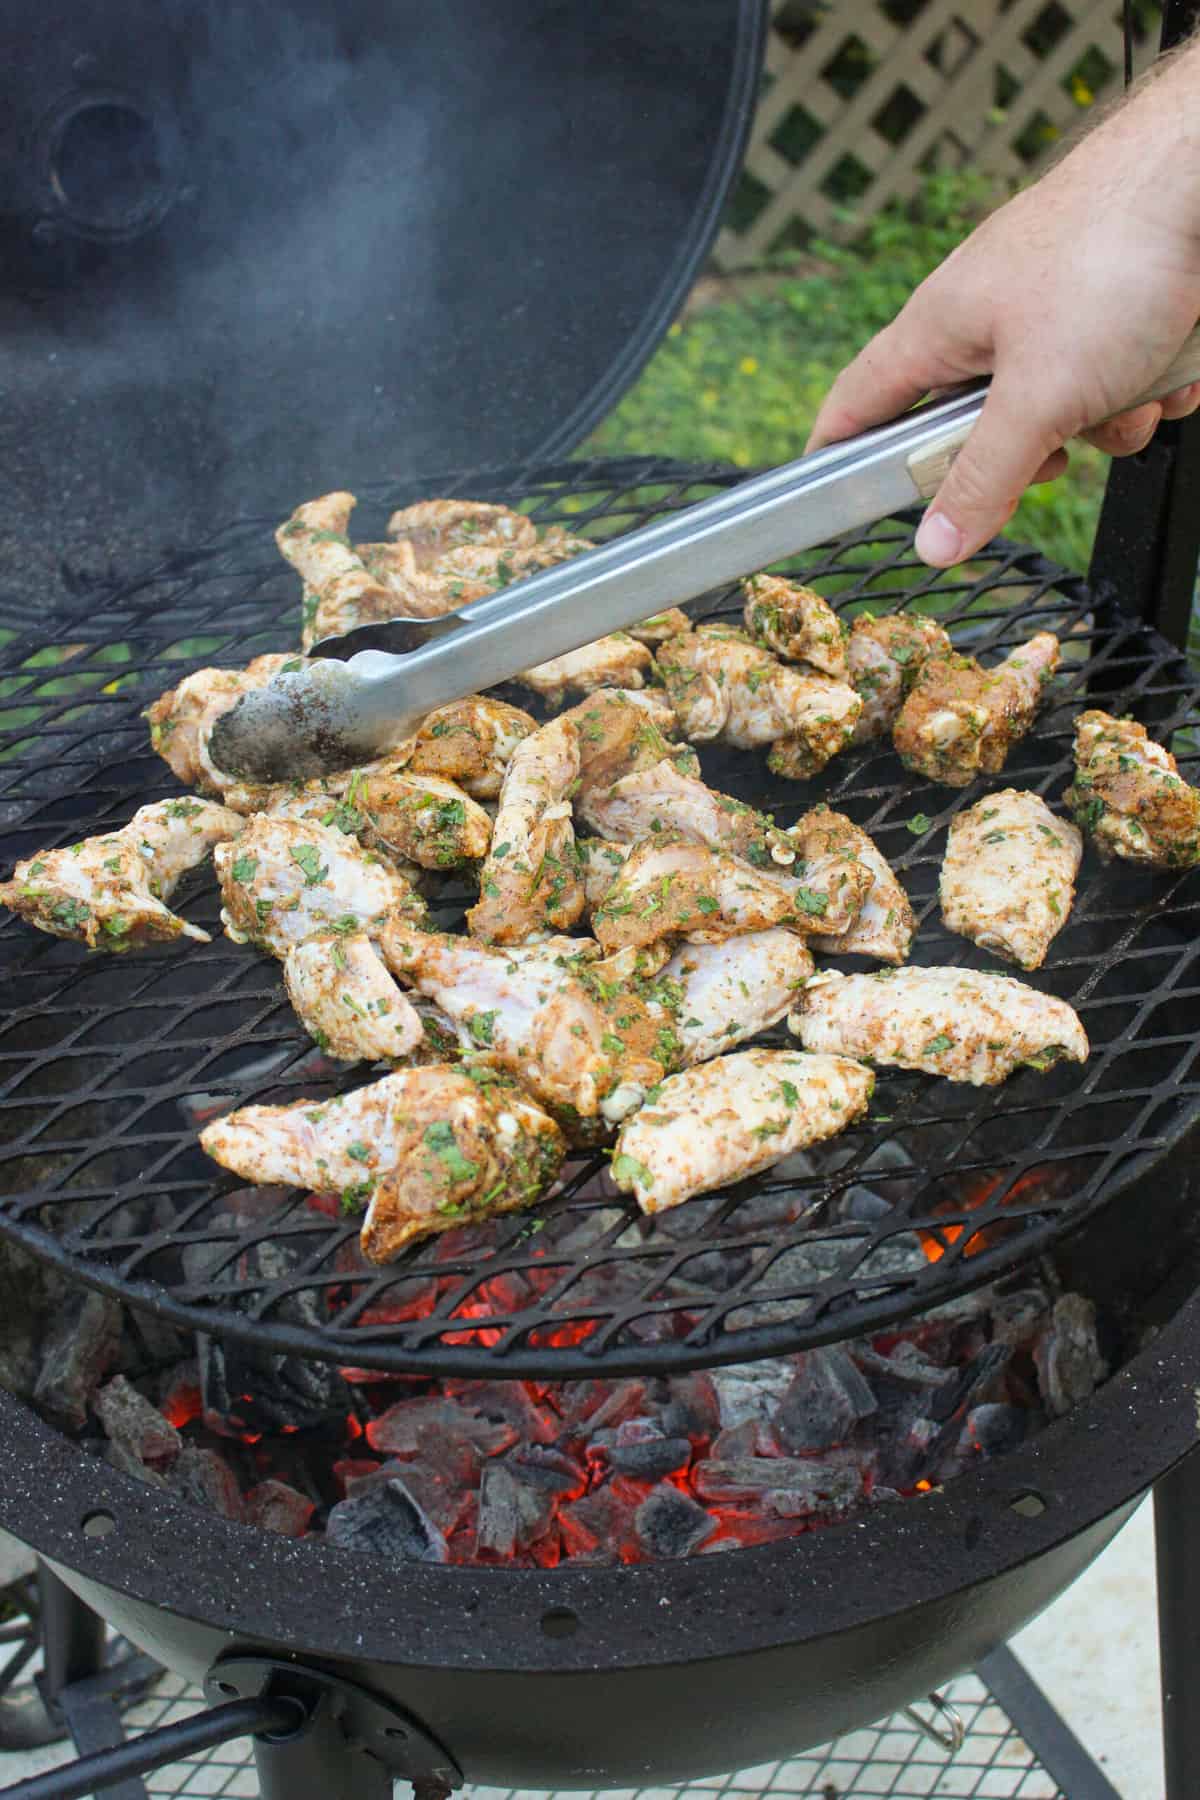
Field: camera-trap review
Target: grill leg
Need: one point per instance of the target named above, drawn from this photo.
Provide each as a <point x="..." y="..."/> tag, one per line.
<point x="72" y="1635"/>
<point x="1177" y="1538"/>
<point x="318" y="1762"/>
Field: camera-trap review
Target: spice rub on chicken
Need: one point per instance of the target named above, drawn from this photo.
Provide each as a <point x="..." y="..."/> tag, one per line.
<point x="672" y="888"/>
<point x="1008" y="878"/>
<point x="345" y="999"/>
<point x="432" y="527"/>
<point x="617" y="660"/>
<point x="885" y="656"/>
<point x="412" y="819"/>
<point x="181" y="720"/>
<point x="957" y="1023"/>
<point x="110" y="892"/>
<point x="340" y="592"/>
<point x="572" y="1029"/>
<point x="730" y="991"/>
<point x="469" y="741"/>
<point x="724" y="685"/>
<point x="1129" y="796"/>
<point x="961" y="720"/>
<point x="731" y="1118"/>
<point x="422" y="1149"/>
<point x="285" y="880"/>
<point x="530" y="885"/>
<point x="669" y="796"/>
<point x="796" y="624"/>
<point x="882" y="925"/>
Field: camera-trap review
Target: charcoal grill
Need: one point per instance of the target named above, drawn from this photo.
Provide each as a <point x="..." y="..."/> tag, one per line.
<point x="594" y="1676"/>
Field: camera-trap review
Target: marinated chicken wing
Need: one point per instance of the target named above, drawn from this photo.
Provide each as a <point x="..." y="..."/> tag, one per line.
<point x="1008" y="878"/>
<point x="530" y="882"/>
<point x="796" y="624"/>
<point x="285" y="880"/>
<point x="346" y="1000"/>
<point x="417" y="821"/>
<point x="181" y="720"/>
<point x="339" y="590"/>
<point x="423" y="1149"/>
<point x="469" y="741"/>
<point x="1129" y="796"/>
<point x="614" y="661"/>
<point x="961" y="720"/>
<point x="671" y="888"/>
<point x="885" y="657"/>
<point x="583" y="1044"/>
<point x="622" y="730"/>
<point x="956" y="1023"/>
<point x="730" y="991"/>
<point x="883" y="925"/>
<point x="723" y="685"/>
<point x="109" y="892"/>
<point x="669" y="796"/>
<point x="432" y="527"/>
<point x="661" y="626"/>
<point x="728" y="1119"/>
<point x="600" y="862"/>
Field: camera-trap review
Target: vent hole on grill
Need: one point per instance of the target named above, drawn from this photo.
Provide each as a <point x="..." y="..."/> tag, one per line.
<point x="98" y="1524"/>
<point x="560" y="1622"/>
<point x="1029" y="1504"/>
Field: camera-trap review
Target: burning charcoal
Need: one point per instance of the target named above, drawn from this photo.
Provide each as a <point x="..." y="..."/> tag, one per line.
<point x="79" y="1352"/>
<point x="692" y="1409"/>
<point x="824" y="1403"/>
<point x="274" y="1506"/>
<point x="129" y="1464"/>
<point x="609" y="1404"/>
<point x="1069" y="1363"/>
<point x="971" y="1383"/>
<point x="351" y="1469"/>
<point x="180" y="1400"/>
<point x="512" y="1514"/>
<point x="206" y="1480"/>
<point x="541" y="1467"/>
<point x="912" y="1457"/>
<point x="669" y="1523"/>
<point x="444" y="1497"/>
<point x="751" y="1390"/>
<point x="509" y="1402"/>
<point x="991" y="1430"/>
<point x="131" y="1421"/>
<point x="398" y="1431"/>
<point x="252" y="1390"/>
<point x="1018" y="1319"/>
<point x="742" y="1440"/>
<point x="789" y="1486"/>
<point x="387" y="1521"/>
<point x="642" y="1451"/>
<point x="599" y="1529"/>
<point x="30" y="1293"/>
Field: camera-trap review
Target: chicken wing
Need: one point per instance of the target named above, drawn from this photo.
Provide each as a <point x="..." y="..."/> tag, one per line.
<point x="1008" y="878"/>
<point x="1129" y="796"/>
<point x="728" y="1119"/>
<point x="585" y="1046"/>
<point x="723" y="685"/>
<point x="661" y="626"/>
<point x="600" y="862"/>
<point x="415" y="820"/>
<point x="883" y="924"/>
<point x="796" y="624"/>
<point x="885" y="657"/>
<point x="622" y="730"/>
<point x="670" y="796"/>
<point x="424" y="1149"/>
<point x="432" y="527"/>
<point x="346" y="1000"/>
<point x="961" y="720"/>
<point x="671" y="888"/>
<point x="181" y="720"/>
<point x="614" y="661"/>
<point x="730" y="991"/>
<point x="956" y="1023"/>
<point x="469" y="741"/>
<point x="530" y="882"/>
<point x="339" y="590"/>
<point x="109" y="892"/>
<point x="285" y="880"/>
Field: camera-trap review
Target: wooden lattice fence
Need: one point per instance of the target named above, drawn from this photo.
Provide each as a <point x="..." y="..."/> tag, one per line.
<point x="861" y="97"/>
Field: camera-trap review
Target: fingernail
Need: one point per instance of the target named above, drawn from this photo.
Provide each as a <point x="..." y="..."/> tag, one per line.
<point x="938" y="540"/>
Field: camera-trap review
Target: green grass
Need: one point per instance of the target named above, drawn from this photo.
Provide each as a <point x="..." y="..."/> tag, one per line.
<point x="741" y="380"/>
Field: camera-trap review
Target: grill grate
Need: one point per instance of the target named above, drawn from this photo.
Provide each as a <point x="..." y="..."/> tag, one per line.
<point x="105" y="1062"/>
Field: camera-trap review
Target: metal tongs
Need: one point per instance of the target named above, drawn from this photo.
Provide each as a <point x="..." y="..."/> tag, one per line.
<point x="363" y="692"/>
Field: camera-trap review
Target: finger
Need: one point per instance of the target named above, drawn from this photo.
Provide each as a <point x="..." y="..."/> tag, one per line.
<point x="1183" y="401"/>
<point x="1008" y="447"/>
<point x="896" y="369"/>
<point x="1054" y="466"/>
<point x="1127" y="432"/>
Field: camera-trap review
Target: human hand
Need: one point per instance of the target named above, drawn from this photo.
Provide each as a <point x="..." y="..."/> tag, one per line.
<point x="1075" y="297"/>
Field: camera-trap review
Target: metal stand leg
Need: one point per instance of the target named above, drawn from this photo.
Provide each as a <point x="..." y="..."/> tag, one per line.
<point x="72" y="1635"/>
<point x="1177" y="1536"/>
<point x="318" y="1762"/>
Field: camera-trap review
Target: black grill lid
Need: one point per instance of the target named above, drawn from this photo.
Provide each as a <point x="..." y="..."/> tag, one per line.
<point x="248" y="253"/>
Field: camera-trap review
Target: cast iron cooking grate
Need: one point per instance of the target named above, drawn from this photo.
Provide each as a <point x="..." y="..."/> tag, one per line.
<point x="106" y="1063"/>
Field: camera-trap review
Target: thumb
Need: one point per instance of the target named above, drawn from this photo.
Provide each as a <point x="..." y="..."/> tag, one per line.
<point x="1009" y="444"/>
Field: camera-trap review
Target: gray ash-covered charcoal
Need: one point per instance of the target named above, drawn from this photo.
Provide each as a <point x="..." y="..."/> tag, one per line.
<point x="513" y="1514"/>
<point x="540" y="1466"/>
<point x="1019" y="1318"/>
<point x="399" y="1430"/>
<point x="79" y="1352"/>
<point x="800" y="1486"/>
<point x="508" y="1402"/>
<point x="671" y="1524"/>
<point x="387" y="1521"/>
<point x="642" y="1450"/>
<point x="904" y="1366"/>
<point x="691" y="1408"/>
<point x="824" y="1403"/>
<point x="274" y="1506"/>
<point x="205" y="1479"/>
<point x="1069" y="1361"/>
<point x="752" y="1390"/>
<point x="136" y="1425"/>
<point x="992" y="1429"/>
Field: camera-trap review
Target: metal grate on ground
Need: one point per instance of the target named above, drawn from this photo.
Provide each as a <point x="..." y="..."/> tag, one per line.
<point x="890" y="1759"/>
<point x="105" y="1061"/>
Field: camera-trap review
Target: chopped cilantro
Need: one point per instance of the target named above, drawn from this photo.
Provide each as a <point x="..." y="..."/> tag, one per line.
<point x="244" y="868"/>
<point x="442" y="1141"/>
<point x="358" y="1152"/>
<point x="628" y="1168"/>
<point x="815" y="904"/>
<point x="920" y="822"/>
<point x="938" y="1044"/>
<point x="71" y="913"/>
<point x="707" y="904"/>
<point x="308" y="858"/>
<point x="482" y="1026"/>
